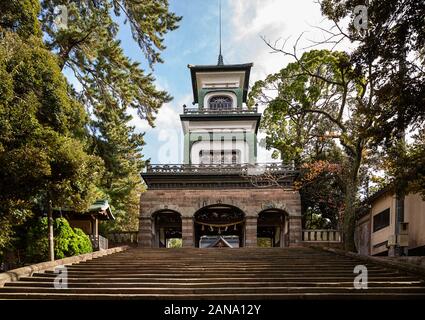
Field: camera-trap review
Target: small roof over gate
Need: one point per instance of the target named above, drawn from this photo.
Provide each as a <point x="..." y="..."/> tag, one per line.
<point x="100" y="209"/>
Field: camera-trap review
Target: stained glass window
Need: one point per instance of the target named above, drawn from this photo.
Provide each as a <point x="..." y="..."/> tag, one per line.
<point x="220" y="103"/>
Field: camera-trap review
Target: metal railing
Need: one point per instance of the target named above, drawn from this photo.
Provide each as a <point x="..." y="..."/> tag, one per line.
<point x="322" y="236"/>
<point x="219" y="110"/>
<point x="217" y="169"/>
<point x="99" y="242"/>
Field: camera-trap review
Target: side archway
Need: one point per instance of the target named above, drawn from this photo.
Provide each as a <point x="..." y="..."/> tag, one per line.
<point x="167" y="229"/>
<point x="272" y="228"/>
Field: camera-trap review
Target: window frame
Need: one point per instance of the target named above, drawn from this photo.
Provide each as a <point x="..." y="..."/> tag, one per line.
<point x="379" y="225"/>
<point x="212" y="94"/>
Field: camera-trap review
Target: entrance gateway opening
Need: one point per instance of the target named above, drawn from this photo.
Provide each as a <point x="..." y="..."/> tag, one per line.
<point x="219" y="226"/>
<point x="272" y="228"/>
<point x="168" y="229"/>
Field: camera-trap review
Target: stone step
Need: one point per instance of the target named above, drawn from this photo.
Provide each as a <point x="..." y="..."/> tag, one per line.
<point x="232" y="290"/>
<point x="211" y="278"/>
<point x="213" y="284"/>
<point x="346" y="275"/>
<point x="220" y="296"/>
<point x="221" y="270"/>
<point x="257" y="273"/>
<point x="215" y="266"/>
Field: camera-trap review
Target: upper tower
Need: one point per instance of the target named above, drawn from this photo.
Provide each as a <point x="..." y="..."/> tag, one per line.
<point x="220" y="129"/>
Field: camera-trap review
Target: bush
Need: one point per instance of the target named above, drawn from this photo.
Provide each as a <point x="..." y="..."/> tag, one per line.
<point x="84" y="243"/>
<point x="67" y="241"/>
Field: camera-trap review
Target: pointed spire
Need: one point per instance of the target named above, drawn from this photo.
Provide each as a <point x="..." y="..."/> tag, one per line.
<point x="220" y="56"/>
<point x="220" y="60"/>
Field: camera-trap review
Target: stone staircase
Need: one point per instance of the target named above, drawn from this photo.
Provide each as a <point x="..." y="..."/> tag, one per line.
<point x="245" y="273"/>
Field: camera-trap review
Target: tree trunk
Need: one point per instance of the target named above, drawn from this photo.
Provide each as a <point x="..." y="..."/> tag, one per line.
<point x="349" y="225"/>
<point x="50" y="228"/>
<point x="350" y="217"/>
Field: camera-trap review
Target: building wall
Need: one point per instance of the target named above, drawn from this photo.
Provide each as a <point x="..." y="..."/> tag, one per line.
<point x="85" y="225"/>
<point x="379" y="237"/>
<point x="414" y="214"/>
<point x="363" y="232"/>
<point x="414" y="208"/>
<point x="188" y="201"/>
<point x="245" y="142"/>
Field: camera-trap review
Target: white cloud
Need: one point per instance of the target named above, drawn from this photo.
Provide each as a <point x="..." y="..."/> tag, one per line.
<point x="276" y="20"/>
<point x="167" y="133"/>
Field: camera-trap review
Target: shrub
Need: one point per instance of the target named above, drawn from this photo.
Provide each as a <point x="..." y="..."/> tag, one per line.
<point x="68" y="241"/>
<point x="84" y="243"/>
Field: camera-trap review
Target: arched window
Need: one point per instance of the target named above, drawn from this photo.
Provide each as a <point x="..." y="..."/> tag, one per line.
<point x="220" y="103"/>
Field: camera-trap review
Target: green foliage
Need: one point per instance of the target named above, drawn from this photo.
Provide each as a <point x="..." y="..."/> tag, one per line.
<point x="313" y="103"/>
<point x="37" y="241"/>
<point x="409" y="166"/>
<point x="90" y="48"/>
<point x="68" y="241"/>
<point x="113" y="86"/>
<point x="174" y="243"/>
<point x="264" y="242"/>
<point x="295" y="122"/>
<point x="48" y="155"/>
<point x="120" y="148"/>
<point x="20" y="16"/>
<point x="322" y="191"/>
<point x="391" y="53"/>
<point x="42" y="152"/>
<point x="83" y="241"/>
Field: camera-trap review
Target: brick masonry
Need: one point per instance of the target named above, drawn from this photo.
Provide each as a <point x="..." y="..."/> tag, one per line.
<point x="188" y="201"/>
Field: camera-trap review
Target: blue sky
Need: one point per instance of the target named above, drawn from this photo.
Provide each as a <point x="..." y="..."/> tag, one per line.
<point x="196" y="41"/>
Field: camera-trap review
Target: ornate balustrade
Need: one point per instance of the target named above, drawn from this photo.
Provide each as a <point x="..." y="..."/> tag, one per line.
<point x="221" y="169"/>
<point x="219" y="110"/>
<point x="322" y="236"/>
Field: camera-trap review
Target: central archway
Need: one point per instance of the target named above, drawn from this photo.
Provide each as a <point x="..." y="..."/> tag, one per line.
<point x="219" y="225"/>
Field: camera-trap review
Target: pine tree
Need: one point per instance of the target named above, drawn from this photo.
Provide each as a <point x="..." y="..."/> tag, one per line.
<point x="43" y="153"/>
<point x="113" y="84"/>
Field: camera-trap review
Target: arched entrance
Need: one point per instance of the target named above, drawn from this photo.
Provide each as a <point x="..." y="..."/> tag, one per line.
<point x="272" y="228"/>
<point x="219" y="226"/>
<point x="167" y="229"/>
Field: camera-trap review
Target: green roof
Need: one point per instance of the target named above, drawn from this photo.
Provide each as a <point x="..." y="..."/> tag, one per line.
<point x="246" y="67"/>
<point x="100" y="208"/>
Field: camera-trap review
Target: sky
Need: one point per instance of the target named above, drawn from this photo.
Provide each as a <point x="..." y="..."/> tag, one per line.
<point x="196" y="41"/>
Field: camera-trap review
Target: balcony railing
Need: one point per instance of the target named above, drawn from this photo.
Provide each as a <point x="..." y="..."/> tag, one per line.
<point x="217" y="169"/>
<point x="322" y="236"/>
<point x="219" y="110"/>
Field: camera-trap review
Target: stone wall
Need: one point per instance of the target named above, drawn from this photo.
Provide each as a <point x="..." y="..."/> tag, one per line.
<point x="251" y="201"/>
<point x="188" y="201"/>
